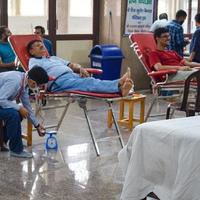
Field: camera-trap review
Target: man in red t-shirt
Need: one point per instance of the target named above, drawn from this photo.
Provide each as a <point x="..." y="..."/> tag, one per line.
<point x="163" y="59"/>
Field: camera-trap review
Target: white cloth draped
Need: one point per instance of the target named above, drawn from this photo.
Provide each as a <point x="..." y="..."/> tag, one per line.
<point x="163" y="157"/>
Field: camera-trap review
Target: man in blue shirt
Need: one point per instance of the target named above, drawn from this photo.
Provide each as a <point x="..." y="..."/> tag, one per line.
<point x="39" y="30"/>
<point x="14" y="85"/>
<point x="7" y="56"/>
<point x="177" y="42"/>
<point x="71" y="76"/>
<point x="195" y="43"/>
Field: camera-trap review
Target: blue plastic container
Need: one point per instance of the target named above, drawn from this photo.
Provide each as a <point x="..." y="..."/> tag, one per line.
<point x="107" y="58"/>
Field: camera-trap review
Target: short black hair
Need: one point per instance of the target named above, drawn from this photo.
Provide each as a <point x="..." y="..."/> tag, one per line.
<point x="181" y="13"/>
<point x="41" y="28"/>
<point x="197" y="17"/>
<point x="2" y="30"/>
<point x="30" y="44"/>
<point x="163" y="16"/>
<point x="159" y="31"/>
<point x="38" y="74"/>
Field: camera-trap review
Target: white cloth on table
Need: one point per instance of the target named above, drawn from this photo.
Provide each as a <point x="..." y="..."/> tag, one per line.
<point x="163" y="157"/>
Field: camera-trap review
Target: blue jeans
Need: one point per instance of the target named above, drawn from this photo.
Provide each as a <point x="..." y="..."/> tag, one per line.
<point x="72" y="81"/>
<point x="12" y="129"/>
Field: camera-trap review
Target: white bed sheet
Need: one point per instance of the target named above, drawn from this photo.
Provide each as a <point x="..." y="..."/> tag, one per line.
<point x="163" y="157"/>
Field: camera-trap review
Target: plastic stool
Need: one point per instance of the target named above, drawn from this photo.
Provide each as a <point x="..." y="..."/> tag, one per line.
<point x="128" y="121"/>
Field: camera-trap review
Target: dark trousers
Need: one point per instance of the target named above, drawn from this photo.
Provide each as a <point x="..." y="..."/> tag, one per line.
<point x="1" y="134"/>
<point x="12" y="128"/>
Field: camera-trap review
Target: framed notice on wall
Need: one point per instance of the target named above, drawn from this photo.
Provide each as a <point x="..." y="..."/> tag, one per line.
<point x="139" y="16"/>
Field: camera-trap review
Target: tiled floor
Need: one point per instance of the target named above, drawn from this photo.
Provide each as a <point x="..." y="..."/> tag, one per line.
<point x="74" y="172"/>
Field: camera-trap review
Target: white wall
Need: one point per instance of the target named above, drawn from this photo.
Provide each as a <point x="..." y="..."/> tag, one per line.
<point x="75" y="51"/>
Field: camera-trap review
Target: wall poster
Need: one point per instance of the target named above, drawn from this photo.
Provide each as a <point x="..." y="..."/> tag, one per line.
<point x="139" y="16"/>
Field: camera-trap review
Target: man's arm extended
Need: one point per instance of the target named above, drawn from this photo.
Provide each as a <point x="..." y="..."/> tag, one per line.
<point x="191" y="64"/>
<point x="159" y="66"/>
<point x="7" y="65"/>
<point x="78" y="69"/>
<point x="75" y="67"/>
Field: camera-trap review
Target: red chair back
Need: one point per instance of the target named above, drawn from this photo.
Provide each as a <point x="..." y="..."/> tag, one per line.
<point x="19" y="44"/>
<point x="143" y="44"/>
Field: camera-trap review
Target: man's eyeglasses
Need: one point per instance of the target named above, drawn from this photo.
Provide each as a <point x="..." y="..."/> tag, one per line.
<point x="35" y="32"/>
<point x="165" y="36"/>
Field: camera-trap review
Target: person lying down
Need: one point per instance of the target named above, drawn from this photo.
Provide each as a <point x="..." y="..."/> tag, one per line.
<point x="71" y="76"/>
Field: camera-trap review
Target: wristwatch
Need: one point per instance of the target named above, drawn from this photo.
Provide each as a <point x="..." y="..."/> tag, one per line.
<point x="37" y="126"/>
